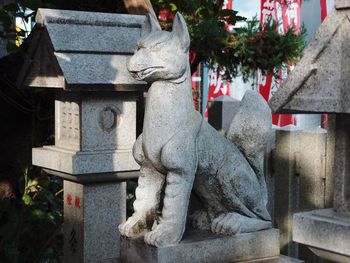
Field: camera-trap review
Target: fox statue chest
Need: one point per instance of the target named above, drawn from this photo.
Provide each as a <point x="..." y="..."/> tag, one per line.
<point x="167" y="110"/>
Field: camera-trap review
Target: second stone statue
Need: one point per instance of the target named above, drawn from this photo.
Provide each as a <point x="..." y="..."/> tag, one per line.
<point x="179" y="152"/>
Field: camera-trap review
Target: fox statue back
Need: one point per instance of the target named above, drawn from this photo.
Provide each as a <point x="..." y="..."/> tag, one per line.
<point x="179" y="152"/>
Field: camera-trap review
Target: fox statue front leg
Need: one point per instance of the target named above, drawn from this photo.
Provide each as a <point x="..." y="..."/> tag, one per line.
<point x="180" y="159"/>
<point x="147" y="193"/>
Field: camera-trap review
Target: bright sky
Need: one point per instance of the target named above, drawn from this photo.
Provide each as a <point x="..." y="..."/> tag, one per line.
<point x="247" y="8"/>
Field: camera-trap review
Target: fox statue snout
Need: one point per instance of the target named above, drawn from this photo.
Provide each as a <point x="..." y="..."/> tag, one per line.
<point x="161" y="54"/>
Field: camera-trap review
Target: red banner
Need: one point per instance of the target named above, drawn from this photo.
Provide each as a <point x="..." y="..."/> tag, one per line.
<point x="323" y="4"/>
<point x="228" y="4"/>
<point x="218" y="86"/>
<point x="287" y="14"/>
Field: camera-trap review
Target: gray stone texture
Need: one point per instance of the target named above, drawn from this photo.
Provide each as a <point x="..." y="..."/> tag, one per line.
<point x="81" y="51"/>
<point x="204" y="247"/>
<point x="221" y="112"/>
<point x="83" y="70"/>
<point x="330" y="160"/>
<point x="72" y="37"/>
<point x="301" y="180"/>
<point x="319" y="82"/>
<point x="342" y="164"/>
<point x="326" y="232"/>
<point x="46" y="16"/>
<point x="91" y="216"/>
<point x="280" y="259"/>
<point x="94" y="133"/>
<point x="178" y="151"/>
<point x="76" y="163"/>
<point x="339" y="4"/>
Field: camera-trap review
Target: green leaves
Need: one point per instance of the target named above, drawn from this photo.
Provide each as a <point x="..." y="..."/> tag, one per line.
<point x="240" y="52"/>
<point x="30" y="225"/>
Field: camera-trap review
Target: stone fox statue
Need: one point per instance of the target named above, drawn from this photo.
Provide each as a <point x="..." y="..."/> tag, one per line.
<point x="179" y="152"/>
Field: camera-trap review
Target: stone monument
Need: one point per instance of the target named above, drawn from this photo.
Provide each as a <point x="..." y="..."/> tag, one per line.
<point x="179" y="153"/>
<point x="81" y="57"/>
<point x="320" y="84"/>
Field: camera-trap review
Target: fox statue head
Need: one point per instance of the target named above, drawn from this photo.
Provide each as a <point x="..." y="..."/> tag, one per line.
<point x="161" y="55"/>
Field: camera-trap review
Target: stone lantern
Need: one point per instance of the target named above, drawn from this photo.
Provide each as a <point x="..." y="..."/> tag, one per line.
<point x="320" y="83"/>
<point x="82" y="57"/>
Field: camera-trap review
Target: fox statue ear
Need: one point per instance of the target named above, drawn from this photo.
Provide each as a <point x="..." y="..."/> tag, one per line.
<point x="181" y="31"/>
<point x="150" y="25"/>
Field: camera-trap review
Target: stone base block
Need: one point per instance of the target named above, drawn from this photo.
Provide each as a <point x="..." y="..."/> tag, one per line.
<point x="73" y="162"/>
<point x="205" y="247"/>
<point x="280" y="259"/>
<point x="325" y="232"/>
<point x="91" y="216"/>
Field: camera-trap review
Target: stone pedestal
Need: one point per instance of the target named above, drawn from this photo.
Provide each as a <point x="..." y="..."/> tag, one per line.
<point x="91" y="217"/>
<point x="325" y="232"/>
<point x="204" y="247"/>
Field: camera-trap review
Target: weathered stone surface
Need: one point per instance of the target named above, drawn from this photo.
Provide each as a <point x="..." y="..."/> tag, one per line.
<point x="221" y="112"/>
<point x="82" y="70"/>
<point x="204" y="247"/>
<point x="299" y="165"/>
<point x="108" y="124"/>
<point x="72" y="37"/>
<point x="81" y="51"/>
<point x="93" y="134"/>
<point x="341" y="164"/>
<point x="339" y="4"/>
<point x="46" y="16"/>
<point x="73" y="162"/>
<point x="280" y="259"/>
<point x="319" y="82"/>
<point x="91" y="214"/>
<point x="177" y="148"/>
<point x="326" y="232"/>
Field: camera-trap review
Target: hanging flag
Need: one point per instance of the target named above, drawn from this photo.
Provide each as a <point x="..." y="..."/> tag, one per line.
<point x="323" y="4"/>
<point x="287" y="14"/>
<point x="218" y="85"/>
<point x="228" y="4"/>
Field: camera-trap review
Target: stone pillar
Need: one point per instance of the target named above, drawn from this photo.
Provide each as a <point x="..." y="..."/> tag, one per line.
<point x="342" y="165"/>
<point x="301" y="182"/>
<point x="82" y="57"/>
<point x="221" y="112"/>
<point x="91" y="215"/>
<point x="94" y="136"/>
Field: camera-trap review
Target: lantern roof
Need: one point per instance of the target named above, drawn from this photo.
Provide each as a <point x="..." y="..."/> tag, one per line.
<point x="320" y="82"/>
<point x="76" y="50"/>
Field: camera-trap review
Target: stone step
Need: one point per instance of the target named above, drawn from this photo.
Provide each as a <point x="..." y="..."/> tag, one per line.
<point x="205" y="247"/>
<point x="280" y="259"/>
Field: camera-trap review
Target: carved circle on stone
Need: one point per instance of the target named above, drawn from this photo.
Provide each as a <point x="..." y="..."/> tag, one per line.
<point x="109" y="118"/>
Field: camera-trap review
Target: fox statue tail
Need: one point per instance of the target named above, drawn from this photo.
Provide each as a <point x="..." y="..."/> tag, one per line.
<point x="251" y="131"/>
